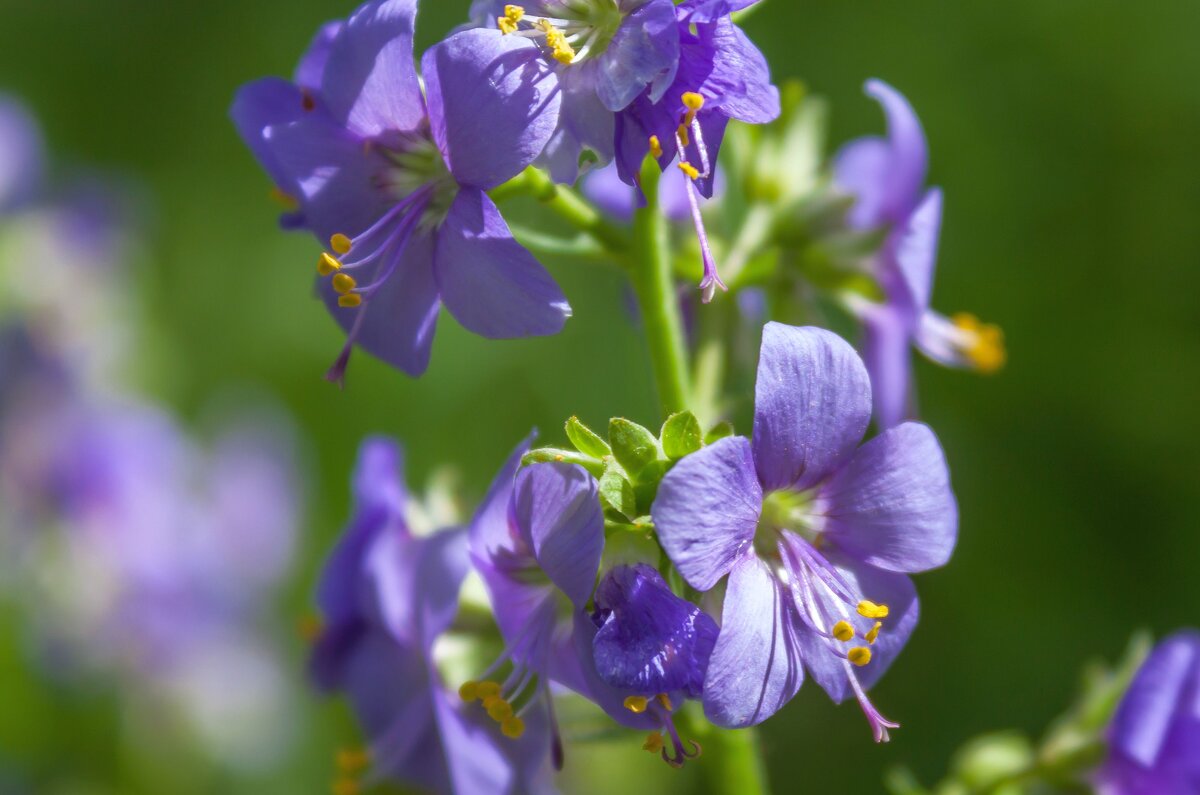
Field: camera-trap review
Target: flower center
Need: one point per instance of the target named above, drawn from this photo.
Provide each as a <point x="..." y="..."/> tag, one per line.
<point x="785" y="510"/>
<point x="572" y="31"/>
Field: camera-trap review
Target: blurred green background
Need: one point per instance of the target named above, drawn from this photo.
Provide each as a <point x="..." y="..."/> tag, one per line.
<point x="1065" y="136"/>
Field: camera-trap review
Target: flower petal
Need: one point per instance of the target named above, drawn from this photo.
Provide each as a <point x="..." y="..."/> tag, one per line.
<point x="812" y="404"/>
<point x="860" y="168"/>
<point x="488" y="281"/>
<point x="707" y="510"/>
<point x="576" y="668"/>
<point x="260" y="105"/>
<point x="493" y="104"/>
<point x="891" y="505"/>
<point x="740" y="81"/>
<point x="22" y="154"/>
<point x="416" y="582"/>
<point x="370" y="81"/>
<point x="583" y="122"/>
<point x="379" y="476"/>
<point x="311" y="69"/>
<point x="913" y="250"/>
<point x="644" y="50"/>
<point x="701" y="11"/>
<point x="1160" y="701"/>
<point x="557" y="509"/>
<point x="887" y="353"/>
<point x="909" y="151"/>
<point x="755" y="668"/>
<point x="489" y="526"/>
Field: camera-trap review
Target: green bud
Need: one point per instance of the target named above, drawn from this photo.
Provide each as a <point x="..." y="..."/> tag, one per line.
<point x="616" y="493"/>
<point x="987" y="760"/>
<point x="646" y="483"/>
<point x="719" y="431"/>
<point x="681" y="435"/>
<point x="632" y="445"/>
<point x="586" y="440"/>
<point x="546" y="455"/>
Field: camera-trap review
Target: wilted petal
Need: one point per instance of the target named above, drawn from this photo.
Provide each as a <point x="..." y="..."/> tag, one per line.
<point x="891" y="505"/>
<point x="488" y="281"/>
<point x="493" y="104"/>
<point x="707" y="510"/>
<point x="755" y="668"/>
<point x="812" y="404"/>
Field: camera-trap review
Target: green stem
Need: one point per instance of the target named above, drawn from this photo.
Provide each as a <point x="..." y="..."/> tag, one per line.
<point x="567" y="205"/>
<point x="736" y="763"/>
<point x="655" y="289"/>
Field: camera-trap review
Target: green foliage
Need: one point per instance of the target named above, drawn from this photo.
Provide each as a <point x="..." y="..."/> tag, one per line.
<point x="681" y="435"/>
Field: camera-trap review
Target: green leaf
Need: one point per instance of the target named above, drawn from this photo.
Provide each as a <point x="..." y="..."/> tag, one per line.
<point x="545" y="455"/>
<point x="647" y="481"/>
<point x="633" y="446"/>
<point x="681" y="435"/>
<point x="617" y="493"/>
<point x="585" y="439"/>
<point x="719" y="431"/>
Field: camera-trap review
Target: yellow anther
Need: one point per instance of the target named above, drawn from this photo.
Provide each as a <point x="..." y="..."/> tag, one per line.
<point x="344" y="283"/>
<point x="284" y="199"/>
<point x="506" y="25"/>
<point x="868" y="609"/>
<point x="665" y="700"/>
<point x="487" y="689"/>
<point x="351" y="761"/>
<point x="873" y="633"/>
<point x="654" y="743"/>
<point x="469" y="691"/>
<point x="327" y="264"/>
<point x="843" y="630"/>
<point x="986" y="351"/>
<point x="499" y="710"/>
<point x="514" y="12"/>
<point x="636" y="704"/>
<point x="345" y="786"/>
<point x="689" y="169"/>
<point x="564" y="53"/>
<point x="340" y="244"/>
<point x="692" y="101"/>
<point x="349" y="301"/>
<point x="512" y="727"/>
<point x="655" y="146"/>
<point x="682" y="134"/>
<point x="859" y="655"/>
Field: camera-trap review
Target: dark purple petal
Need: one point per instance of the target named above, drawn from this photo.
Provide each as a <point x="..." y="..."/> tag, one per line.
<point x="557" y="509"/>
<point x="370" y="81"/>
<point x="891" y="505"/>
<point x="651" y="641"/>
<point x="812" y="404"/>
<point x="311" y="69"/>
<point x="644" y="50"/>
<point x="579" y="663"/>
<point x="493" y="104"/>
<point x="887" y="353"/>
<point x="707" y="510"/>
<point x="832" y="672"/>
<point x="755" y="668"/>
<point x="398" y="321"/>
<point x="260" y="105"/>
<point x="1162" y="707"/>
<point x="488" y="281"/>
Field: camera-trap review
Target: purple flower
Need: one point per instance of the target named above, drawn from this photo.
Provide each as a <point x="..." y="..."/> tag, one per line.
<point x="887" y="178"/>
<point x="1155" y="734"/>
<point x="385" y="597"/>
<point x="815" y="533"/>
<point x="394" y="182"/>
<point x="605" y="188"/>
<point x="22" y="154"/>
<point x="537" y="540"/>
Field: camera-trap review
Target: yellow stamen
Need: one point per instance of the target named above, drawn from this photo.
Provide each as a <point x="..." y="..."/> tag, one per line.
<point x="986" y="351"/>
<point x="344" y="283"/>
<point x="340" y="244"/>
<point x="488" y="689"/>
<point x="499" y="710"/>
<point x="682" y="132"/>
<point x="689" y="169"/>
<point x="345" y="786"/>
<point x="868" y="609"/>
<point x="351" y="761"/>
<point x="859" y="655"/>
<point x="327" y="264"/>
<point x="284" y="199"/>
<point x="665" y="700"/>
<point x="655" y="146"/>
<point x="349" y="301"/>
<point x="654" y="743"/>
<point x="469" y="691"/>
<point x="692" y="101"/>
<point x="512" y="727"/>
<point x="514" y="12"/>
<point x="873" y="633"/>
<point x="506" y="25"/>
<point x="636" y="704"/>
<point x="843" y="630"/>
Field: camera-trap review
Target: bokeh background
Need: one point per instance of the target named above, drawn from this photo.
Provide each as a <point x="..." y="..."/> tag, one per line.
<point x="1065" y="136"/>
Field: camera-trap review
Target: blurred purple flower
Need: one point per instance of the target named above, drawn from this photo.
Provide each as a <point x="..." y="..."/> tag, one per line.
<point x="397" y="181"/>
<point x="1154" y="741"/>
<point x="22" y="154"/>
<point x="605" y="188"/>
<point x="815" y="533"/>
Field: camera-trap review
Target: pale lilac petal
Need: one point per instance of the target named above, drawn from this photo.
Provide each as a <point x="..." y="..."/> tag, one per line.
<point x="1164" y="695"/>
<point x="812" y="404"/>
<point x="493" y="104"/>
<point x="311" y="69"/>
<point x="910" y="153"/>
<point x="417" y="580"/>
<point x="557" y="508"/>
<point x="488" y="281"/>
<point x="379" y="476"/>
<point x="22" y="154"/>
<point x="644" y="50"/>
<point x="489" y="526"/>
<point x="891" y="505"/>
<point x="914" y="250"/>
<point x="701" y="11"/>
<point x="370" y="80"/>
<point x="860" y="168"/>
<point x="740" y="81"/>
<point x="830" y="671"/>
<point x="260" y="105"/>
<point x="707" y="510"/>
<point x="755" y="668"/>
<point x="887" y="353"/>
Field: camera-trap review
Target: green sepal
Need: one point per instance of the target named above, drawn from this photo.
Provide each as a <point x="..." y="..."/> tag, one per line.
<point x="632" y="445"/>
<point x="647" y="481"/>
<point x="617" y="493"/>
<point x="586" y="440"/>
<point x="681" y="435"/>
<point x="547" y="455"/>
<point x="719" y="431"/>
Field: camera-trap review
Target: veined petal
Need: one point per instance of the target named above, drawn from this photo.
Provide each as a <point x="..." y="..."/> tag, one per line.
<point x="557" y="509"/>
<point x="370" y="80"/>
<point x="644" y="50"/>
<point x="488" y="281"/>
<point x="311" y="69"/>
<point x="493" y="104"/>
<point x="891" y="505"/>
<point x="740" y="80"/>
<point x="1163" y="699"/>
<point x="707" y="510"/>
<point x="811" y="407"/>
<point x="755" y="668"/>
<point x="887" y="354"/>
